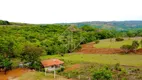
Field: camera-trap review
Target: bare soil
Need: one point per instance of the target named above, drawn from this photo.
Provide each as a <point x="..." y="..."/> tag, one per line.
<point x="13" y="73"/>
<point x="89" y="48"/>
<point x="139" y="51"/>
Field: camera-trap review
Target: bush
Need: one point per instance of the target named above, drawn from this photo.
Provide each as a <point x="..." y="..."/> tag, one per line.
<point x="130" y="48"/>
<point x="135" y="45"/>
<point x="117" y="67"/>
<point x="97" y="41"/>
<point x="126" y="48"/>
<point x="122" y="73"/>
<point x="36" y="65"/>
<point x="135" y="70"/>
<point x="5" y="63"/>
<point x="71" y="74"/>
<point x="102" y="74"/>
<point x="61" y="69"/>
<point x="141" y="43"/>
<point x="119" y="39"/>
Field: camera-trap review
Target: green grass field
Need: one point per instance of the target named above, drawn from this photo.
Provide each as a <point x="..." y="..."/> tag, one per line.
<point x="130" y="60"/>
<point x="106" y="43"/>
<point x="40" y="76"/>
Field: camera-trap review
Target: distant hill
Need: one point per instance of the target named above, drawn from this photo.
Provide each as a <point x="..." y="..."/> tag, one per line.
<point x="119" y="25"/>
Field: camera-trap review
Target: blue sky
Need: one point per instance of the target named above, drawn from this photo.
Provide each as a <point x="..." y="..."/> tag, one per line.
<point x="62" y="11"/>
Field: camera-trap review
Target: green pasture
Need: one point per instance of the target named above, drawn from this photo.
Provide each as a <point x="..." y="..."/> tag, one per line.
<point x="40" y="76"/>
<point x="111" y="43"/>
<point x="130" y="60"/>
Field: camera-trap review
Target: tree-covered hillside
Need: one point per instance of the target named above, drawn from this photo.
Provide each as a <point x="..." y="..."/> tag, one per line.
<point x="52" y="38"/>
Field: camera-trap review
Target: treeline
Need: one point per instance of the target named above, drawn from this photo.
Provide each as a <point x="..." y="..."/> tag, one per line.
<point x="118" y="25"/>
<point x="53" y="39"/>
<point x="2" y="22"/>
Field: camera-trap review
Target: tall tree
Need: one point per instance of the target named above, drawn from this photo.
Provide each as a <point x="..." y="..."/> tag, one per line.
<point x="31" y="54"/>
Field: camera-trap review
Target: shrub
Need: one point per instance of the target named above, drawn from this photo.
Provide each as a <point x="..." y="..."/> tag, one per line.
<point x="135" y="70"/>
<point x="36" y="65"/>
<point x="117" y="67"/>
<point x="135" y="45"/>
<point x="5" y="63"/>
<point x="61" y="69"/>
<point x="141" y="43"/>
<point x="71" y="74"/>
<point x="123" y="78"/>
<point x="102" y="74"/>
<point x="126" y="48"/>
<point x="97" y="41"/>
<point x="130" y="48"/>
<point x="119" y="39"/>
<point x="122" y="73"/>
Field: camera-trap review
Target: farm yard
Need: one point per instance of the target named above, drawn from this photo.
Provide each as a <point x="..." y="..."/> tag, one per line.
<point x="92" y="55"/>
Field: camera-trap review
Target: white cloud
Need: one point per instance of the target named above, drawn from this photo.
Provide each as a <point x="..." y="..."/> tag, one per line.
<point x="56" y="11"/>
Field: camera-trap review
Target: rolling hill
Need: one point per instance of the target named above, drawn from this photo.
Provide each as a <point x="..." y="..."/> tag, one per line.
<point x="119" y="25"/>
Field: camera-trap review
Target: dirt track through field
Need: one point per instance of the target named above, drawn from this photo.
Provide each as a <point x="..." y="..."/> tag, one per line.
<point x="12" y="73"/>
<point x="89" y="48"/>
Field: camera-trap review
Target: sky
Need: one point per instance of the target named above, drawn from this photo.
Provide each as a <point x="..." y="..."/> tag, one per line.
<point x="67" y="11"/>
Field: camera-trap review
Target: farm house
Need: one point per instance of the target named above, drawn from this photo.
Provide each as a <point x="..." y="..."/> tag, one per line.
<point x="52" y="64"/>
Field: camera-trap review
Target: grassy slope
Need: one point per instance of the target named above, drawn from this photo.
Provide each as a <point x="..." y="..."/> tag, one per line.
<point x="131" y="60"/>
<point x="39" y="76"/>
<point x="107" y="44"/>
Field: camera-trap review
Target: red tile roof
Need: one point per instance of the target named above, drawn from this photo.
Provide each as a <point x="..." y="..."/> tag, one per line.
<point x="51" y="62"/>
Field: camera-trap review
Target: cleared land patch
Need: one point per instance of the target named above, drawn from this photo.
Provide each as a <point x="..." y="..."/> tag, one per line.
<point x="89" y="48"/>
<point x="13" y="73"/>
<point x="111" y="43"/>
<point x="108" y="46"/>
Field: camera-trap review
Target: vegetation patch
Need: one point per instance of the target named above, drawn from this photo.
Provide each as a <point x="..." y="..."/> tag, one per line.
<point x="103" y="72"/>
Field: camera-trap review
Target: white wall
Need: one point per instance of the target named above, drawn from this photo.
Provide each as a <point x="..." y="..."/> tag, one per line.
<point x="51" y="68"/>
